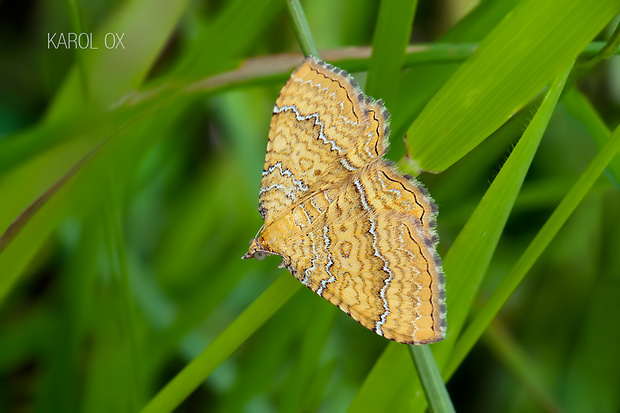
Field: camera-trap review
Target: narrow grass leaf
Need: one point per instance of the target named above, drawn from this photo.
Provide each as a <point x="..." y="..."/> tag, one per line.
<point x="469" y="256"/>
<point x="380" y="391"/>
<point x="389" y="44"/>
<point x="184" y="383"/>
<point x="581" y="109"/>
<point x="116" y="250"/>
<point x="533" y="252"/>
<point x="301" y="28"/>
<point x="434" y="388"/>
<point x="465" y="265"/>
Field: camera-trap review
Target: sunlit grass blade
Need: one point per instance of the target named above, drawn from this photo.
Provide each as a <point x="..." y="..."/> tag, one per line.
<point x="224" y="345"/>
<point x="533" y="252"/>
<point x="531" y="45"/>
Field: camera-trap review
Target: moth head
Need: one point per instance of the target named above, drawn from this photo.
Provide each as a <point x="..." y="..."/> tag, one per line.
<point x="255" y="251"/>
<point x="259" y="255"/>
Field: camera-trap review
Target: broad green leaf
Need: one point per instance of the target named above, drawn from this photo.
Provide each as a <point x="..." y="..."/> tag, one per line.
<point x="526" y="50"/>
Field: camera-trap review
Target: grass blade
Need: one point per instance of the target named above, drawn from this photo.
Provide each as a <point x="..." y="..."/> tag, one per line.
<point x="533" y="251"/>
<point x="465" y="265"/>
<point x="523" y="54"/>
<point x="579" y="107"/>
<point x="224" y="345"/>
<point x="432" y="383"/>
<point x="302" y="30"/>
<point x="392" y="34"/>
<point x="465" y="268"/>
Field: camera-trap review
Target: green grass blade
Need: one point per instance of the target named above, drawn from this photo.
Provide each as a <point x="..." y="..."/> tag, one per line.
<point x="592" y="379"/>
<point x="390" y="385"/>
<point x="465" y="266"/>
<point x="110" y="73"/>
<point x="580" y="108"/>
<point x="432" y="383"/>
<point x="389" y="45"/>
<point x="522" y="366"/>
<point x="301" y="28"/>
<point x="116" y="250"/>
<point x="18" y="224"/>
<point x="468" y="258"/>
<point x="531" y="45"/>
<point x="224" y="345"/>
<point x="533" y="251"/>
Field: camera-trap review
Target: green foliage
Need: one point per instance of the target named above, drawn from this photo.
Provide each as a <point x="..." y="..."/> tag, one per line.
<point x="128" y="191"/>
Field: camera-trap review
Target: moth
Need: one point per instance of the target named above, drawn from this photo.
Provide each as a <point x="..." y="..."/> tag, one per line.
<point x="346" y="222"/>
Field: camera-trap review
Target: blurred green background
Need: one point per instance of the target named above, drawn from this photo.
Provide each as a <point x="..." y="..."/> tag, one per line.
<point x="136" y="173"/>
